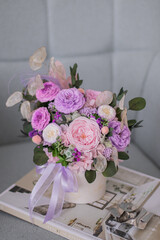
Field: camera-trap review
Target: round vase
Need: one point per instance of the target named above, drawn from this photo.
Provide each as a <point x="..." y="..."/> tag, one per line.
<point x="87" y="192"/>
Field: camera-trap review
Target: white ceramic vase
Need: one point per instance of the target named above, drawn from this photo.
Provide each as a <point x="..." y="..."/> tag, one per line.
<point x="87" y="192"/>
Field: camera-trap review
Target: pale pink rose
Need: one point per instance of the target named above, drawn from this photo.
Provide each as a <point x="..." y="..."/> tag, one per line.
<point x="91" y="96"/>
<point x="104" y="98"/>
<point x="51" y="159"/>
<point x="84" y="164"/>
<point x="64" y="138"/>
<point x="84" y="134"/>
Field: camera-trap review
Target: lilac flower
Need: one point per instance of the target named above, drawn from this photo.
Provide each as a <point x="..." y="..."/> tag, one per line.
<point x="120" y="137"/>
<point x="69" y="100"/>
<point x="56" y="116"/>
<point x="98" y="120"/>
<point x="87" y="111"/>
<point x="107" y="152"/>
<point x="76" y="155"/>
<point x="34" y="133"/>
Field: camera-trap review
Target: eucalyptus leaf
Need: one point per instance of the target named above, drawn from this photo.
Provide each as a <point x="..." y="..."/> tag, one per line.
<point x="137" y="104"/>
<point x="110" y="170"/>
<point x="39" y="157"/>
<point x="123" y="155"/>
<point x="90" y="175"/>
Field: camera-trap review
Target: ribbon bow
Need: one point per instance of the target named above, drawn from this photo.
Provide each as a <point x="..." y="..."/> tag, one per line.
<point x="64" y="181"/>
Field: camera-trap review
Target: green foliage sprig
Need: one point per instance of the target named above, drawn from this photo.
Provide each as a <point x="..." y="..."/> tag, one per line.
<point x="76" y="81"/>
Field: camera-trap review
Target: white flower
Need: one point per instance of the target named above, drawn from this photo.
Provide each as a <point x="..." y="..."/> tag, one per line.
<point x="101" y="163"/>
<point x="34" y="84"/>
<point x="51" y="132"/>
<point x="75" y="115"/>
<point x="107" y="112"/>
<point x="26" y="110"/>
<point x="38" y="57"/>
<point x="15" y="98"/>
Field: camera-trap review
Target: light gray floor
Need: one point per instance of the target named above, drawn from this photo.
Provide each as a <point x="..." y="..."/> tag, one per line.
<point x="16" y="160"/>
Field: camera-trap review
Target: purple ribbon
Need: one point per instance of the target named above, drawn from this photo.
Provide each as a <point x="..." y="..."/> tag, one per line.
<point x="64" y="181"/>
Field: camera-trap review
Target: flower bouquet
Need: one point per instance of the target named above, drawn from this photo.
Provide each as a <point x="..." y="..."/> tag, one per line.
<point x="80" y="135"/>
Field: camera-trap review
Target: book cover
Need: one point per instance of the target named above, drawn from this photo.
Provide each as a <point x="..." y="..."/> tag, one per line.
<point x="81" y="221"/>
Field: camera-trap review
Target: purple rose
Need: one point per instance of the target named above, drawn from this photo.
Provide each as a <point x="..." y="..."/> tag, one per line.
<point x="48" y="93"/>
<point x="69" y="100"/>
<point x="40" y="118"/>
<point x="120" y="137"/>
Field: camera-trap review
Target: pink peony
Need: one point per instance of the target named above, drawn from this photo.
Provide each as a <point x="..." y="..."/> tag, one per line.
<point x="91" y="96"/>
<point x="40" y="118"/>
<point x="48" y="93"/>
<point x="84" y="134"/>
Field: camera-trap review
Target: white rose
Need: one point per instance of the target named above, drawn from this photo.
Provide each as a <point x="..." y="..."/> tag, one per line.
<point x="51" y="132"/>
<point x="107" y="112"/>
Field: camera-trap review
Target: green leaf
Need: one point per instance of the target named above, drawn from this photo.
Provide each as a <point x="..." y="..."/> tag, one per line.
<point x="131" y="122"/>
<point x="114" y="101"/>
<point x="39" y="157"/>
<point x="90" y="176"/>
<point x="54" y="152"/>
<point x="25" y="135"/>
<point x="137" y="104"/>
<point x="76" y="82"/>
<point x="137" y="125"/>
<point x="110" y="132"/>
<point x="74" y="69"/>
<point x="28" y="97"/>
<point x="118" y="113"/>
<point x="123" y="155"/>
<point x="27" y="127"/>
<point x="121" y="94"/>
<point x="50" y="149"/>
<point x="110" y="170"/>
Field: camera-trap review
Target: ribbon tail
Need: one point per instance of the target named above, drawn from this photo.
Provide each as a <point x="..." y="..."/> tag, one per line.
<point x="57" y="199"/>
<point x="41" y="186"/>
